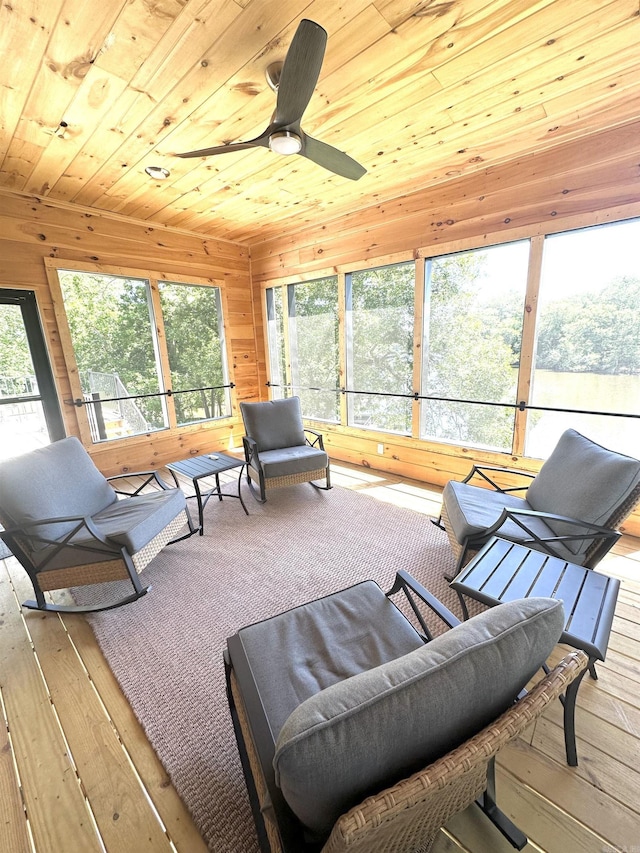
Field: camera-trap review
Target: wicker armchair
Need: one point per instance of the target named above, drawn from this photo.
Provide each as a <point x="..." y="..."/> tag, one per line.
<point x="571" y="509"/>
<point x="279" y="451"/>
<point x="299" y="778"/>
<point x="69" y="527"/>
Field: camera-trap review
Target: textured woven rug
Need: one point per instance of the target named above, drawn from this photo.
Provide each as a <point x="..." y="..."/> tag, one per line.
<point x="166" y="649"/>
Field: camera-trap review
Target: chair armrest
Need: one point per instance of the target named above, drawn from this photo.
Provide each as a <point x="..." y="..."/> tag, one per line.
<point x="586" y="530"/>
<point x="404" y="582"/>
<point x="151" y="476"/>
<point x="318" y="441"/>
<point x="251" y="455"/>
<point x="54" y="546"/>
<point x="481" y="471"/>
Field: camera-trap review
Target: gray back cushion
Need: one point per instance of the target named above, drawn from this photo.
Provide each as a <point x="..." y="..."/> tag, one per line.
<point x="57" y="480"/>
<point x="275" y="424"/>
<point x="582" y="480"/>
<point x="366" y="732"/>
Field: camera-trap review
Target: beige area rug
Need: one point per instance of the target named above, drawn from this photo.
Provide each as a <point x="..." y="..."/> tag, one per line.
<point x="166" y="648"/>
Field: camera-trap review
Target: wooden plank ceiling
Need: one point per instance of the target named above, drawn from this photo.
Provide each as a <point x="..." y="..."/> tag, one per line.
<point x="418" y="91"/>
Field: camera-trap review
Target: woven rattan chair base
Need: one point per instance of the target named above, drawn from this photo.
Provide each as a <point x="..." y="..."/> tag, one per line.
<point x="110" y="570"/>
<point x="289" y="480"/>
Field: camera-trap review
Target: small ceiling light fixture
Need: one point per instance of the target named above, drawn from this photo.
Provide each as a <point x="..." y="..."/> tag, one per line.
<point x="157" y="172"/>
<point x="285" y="142"/>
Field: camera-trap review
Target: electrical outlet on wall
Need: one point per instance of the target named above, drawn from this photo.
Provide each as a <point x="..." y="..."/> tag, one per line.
<point x="381" y="448"/>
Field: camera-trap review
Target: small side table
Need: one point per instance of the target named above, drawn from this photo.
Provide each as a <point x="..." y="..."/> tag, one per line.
<point x="503" y="571"/>
<point x="208" y="465"/>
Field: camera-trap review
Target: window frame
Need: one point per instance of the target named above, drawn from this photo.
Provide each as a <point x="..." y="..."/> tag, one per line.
<point x="158" y="336"/>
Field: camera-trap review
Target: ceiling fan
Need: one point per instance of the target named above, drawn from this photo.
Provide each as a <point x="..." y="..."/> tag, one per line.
<point x="297" y="80"/>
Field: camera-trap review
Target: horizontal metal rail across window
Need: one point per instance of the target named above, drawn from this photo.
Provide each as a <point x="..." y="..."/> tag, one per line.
<point x="521" y="406"/>
<point x="168" y="393"/>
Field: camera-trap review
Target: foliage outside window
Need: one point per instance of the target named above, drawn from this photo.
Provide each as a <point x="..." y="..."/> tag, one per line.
<point x="276" y="344"/>
<point x="587" y="353"/>
<point x="194" y="334"/>
<point x="313" y="340"/>
<point x="471" y="344"/>
<point x="305" y="360"/>
<point x="379" y="333"/>
<point x="119" y="353"/>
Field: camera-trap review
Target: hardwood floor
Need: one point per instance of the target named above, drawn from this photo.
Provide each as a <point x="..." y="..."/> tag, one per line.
<point x="78" y="775"/>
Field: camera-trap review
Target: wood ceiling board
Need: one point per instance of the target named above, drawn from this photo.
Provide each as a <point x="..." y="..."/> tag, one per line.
<point x="376" y="98"/>
<point x="25" y="30"/>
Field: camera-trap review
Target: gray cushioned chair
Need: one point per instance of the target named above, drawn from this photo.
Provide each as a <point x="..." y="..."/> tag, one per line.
<point x="571" y="508"/>
<point x="69" y="527"/>
<point x="279" y="451"/>
<point x="359" y="732"/>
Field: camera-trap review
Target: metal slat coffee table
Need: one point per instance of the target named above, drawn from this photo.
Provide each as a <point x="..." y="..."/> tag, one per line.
<point x="208" y="465"/>
<point x="503" y="571"/>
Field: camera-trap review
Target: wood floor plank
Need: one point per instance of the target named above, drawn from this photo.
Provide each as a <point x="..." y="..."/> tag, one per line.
<point x="571" y="793"/>
<point x="118" y="802"/>
<point x="546" y="826"/>
<point x="54" y="801"/>
<point x="595" y="766"/>
<point x="173" y="813"/>
<point x="14" y="836"/>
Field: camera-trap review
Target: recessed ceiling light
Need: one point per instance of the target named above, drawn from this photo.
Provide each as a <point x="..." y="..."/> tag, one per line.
<point x="157" y="172"/>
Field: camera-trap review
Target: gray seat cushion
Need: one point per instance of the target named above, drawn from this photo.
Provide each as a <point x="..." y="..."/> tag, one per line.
<point x="292" y="460"/>
<point x="275" y="424"/>
<point x="53" y="481"/>
<point x="367" y="731"/>
<point x="472" y="510"/>
<point x="582" y="480"/>
<point x="131" y="522"/>
<point x="300" y="652"/>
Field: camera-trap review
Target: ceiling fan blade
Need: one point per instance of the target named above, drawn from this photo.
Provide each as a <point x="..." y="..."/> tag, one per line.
<point x="332" y="159"/>
<point x="259" y="141"/>
<point x="300" y="72"/>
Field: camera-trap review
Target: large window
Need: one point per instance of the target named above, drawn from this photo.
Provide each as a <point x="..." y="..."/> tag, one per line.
<point x="131" y="351"/>
<point x="305" y="360"/>
<point x="195" y="345"/>
<point x="587" y="354"/>
<point x="313" y="339"/>
<point x="474" y="303"/>
<point x="379" y="334"/>
<point x="516" y="342"/>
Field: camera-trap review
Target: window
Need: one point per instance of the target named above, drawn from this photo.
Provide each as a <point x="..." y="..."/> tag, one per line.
<point x="587" y="353"/>
<point x="194" y="333"/>
<point x="474" y="305"/>
<point x="379" y="333"/>
<point x="313" y="339"/>
<point x="131" y="351"/>
<point x="305" y="361"/>
<point x="491" y="375"/>
<point x="276" y="343"/>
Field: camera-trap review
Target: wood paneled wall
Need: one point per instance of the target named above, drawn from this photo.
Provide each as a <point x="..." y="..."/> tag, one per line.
<point x="33" y="229"/>
<point x="589" y="181"/>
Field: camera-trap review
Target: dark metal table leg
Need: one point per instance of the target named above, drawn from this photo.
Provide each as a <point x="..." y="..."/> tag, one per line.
<point x="196" y="486"/>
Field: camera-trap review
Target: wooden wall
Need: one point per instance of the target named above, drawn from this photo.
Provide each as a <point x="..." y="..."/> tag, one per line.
<point x="589" y="181"/>
<point x="33" y="229"/>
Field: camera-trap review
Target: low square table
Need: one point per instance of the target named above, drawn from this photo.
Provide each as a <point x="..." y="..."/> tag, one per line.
<point x="503" y="571"/>
<point x="208" y="465"/>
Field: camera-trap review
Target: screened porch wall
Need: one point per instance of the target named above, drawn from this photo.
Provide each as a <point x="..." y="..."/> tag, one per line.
<point x="581" y="183"/>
